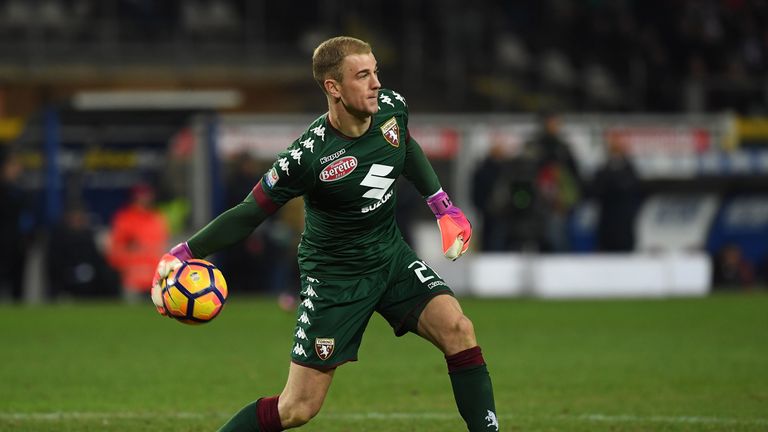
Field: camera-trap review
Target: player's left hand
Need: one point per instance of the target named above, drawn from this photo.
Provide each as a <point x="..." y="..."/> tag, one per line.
<point x="168" y="263"/>
<point x="455" y="229"/>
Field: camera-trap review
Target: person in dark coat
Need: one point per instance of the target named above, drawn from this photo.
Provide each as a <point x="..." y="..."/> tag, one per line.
<point x="76" y="267"/>
<point x="618" y="190"/>
<point x="13" y="252"/>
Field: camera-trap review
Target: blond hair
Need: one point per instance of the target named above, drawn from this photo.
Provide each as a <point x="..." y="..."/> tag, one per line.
<point x="328" y="56"/>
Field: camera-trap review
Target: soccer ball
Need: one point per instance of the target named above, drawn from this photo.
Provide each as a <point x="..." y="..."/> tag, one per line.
<point x="195" y="292"/>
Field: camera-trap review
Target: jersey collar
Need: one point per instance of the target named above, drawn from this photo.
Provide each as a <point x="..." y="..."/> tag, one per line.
<point x="339" y="134"/>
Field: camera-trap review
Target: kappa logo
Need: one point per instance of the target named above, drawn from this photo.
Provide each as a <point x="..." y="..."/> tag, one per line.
<point x="308" y="144"/>
<point x="304" y="318"/>
<point x="319" y="131"/>
<point x="386" y="99"/>
<point x="399" y="97"/>
<point x="307" y="303"/>
<point x="284" y="165"/>
<point x="391" y="132"/>
<point x="299" y="350"/>
<point x="296" y="155"/>
<point x="332" y="157"/>
<point x="338" y="169"/>
<point x="324" y="347"/>
<point x="309" y="292"/>
<point x="376" y="180"/>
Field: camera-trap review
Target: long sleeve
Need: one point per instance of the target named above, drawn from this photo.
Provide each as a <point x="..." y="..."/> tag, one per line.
<point x="418" y="170"/>
<point x="232" y="226"/>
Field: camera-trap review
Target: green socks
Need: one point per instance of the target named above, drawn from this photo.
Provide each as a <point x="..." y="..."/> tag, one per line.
<point x="246" y="420"/>
<point x="472" y="390"/>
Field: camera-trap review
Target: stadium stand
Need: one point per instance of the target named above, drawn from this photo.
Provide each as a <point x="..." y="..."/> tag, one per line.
<point x="680" y="84"/>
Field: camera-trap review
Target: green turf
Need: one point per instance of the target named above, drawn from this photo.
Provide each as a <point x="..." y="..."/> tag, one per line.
<point x="671" y="365"/>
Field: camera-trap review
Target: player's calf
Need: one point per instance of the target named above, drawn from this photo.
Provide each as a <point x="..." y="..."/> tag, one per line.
<point x="444" y="324"/>
<point x="472" y="389"/>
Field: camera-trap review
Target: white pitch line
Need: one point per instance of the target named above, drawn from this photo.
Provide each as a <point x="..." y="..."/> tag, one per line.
<point x="79" y="415"/>
<point x="629" y="418"/>
<point x="385" y="416"/>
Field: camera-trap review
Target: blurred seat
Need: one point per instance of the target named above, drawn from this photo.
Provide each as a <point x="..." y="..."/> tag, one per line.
<point x="210" y="18"/>
<point x="600" y="86"/>
<point x="51" y="15"/>
<point x="556" y="70"/>
<point x="511" y="53"/>
<point x="16" y="14"/>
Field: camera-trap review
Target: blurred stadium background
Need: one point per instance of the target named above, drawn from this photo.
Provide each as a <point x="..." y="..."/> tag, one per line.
<point x="101" y="100"/>
<point x="196" y="97"/>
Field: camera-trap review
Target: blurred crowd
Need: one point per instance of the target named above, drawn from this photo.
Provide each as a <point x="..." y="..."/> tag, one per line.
<point x="545" y="56"/>
<point x="687" y="55"/>
<point x="526" y="202"/>
<point x="83" y="259"/>
<point x="629" y="55"/>
<point x="522" y="204"/>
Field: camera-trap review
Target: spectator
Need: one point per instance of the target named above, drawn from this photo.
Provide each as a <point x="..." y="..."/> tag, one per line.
<point x="13" y="251"/>
<point x="138" y="239"/>
<point x="251" y="255"/>
<point x="731" y="269"/>
<point x="75" y="265"/>
<point x="492" y="195"/>
<point x="283" y="234"/>
<point x="558" y="185"/>
<point x="618" y="191"/>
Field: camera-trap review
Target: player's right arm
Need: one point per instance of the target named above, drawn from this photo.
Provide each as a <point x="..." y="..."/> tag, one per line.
<point x="286" y="179"/>
<point x="234" y="225"/>
<point x="228" y="228"/>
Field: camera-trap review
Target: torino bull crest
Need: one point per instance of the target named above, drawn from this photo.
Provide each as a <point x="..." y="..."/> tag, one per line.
<point x="391" y="132"/>
<point x="324" y="347"/>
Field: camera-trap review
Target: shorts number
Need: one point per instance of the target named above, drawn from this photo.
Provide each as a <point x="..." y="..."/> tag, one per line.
<point x="421" y="267"/>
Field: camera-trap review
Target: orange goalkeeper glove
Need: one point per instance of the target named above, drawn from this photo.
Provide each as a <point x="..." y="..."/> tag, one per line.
<point x="168" y="263"/>
<point x="455" y="229"/>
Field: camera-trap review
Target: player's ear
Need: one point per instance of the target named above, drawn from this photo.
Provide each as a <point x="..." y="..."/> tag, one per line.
<point x="332" y="87"/>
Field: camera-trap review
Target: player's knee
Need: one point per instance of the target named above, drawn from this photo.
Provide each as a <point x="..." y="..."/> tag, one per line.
<point x="462" y="334"/>
<point x="301" y="417"/>
<point x="297" y="414"/>
<point x="464" y="327"/>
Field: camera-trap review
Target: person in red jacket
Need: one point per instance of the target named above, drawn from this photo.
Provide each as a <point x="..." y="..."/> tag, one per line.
<point x="138" y="239"/>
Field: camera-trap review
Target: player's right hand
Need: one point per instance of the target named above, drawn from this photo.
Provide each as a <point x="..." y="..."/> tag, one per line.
<point x="168" y="263"/>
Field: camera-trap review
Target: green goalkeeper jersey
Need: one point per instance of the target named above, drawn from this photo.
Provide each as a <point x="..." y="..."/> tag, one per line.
<point x="348" y="186"/>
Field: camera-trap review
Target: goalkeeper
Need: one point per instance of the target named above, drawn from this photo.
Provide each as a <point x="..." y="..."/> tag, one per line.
<point x="352" y="257"/>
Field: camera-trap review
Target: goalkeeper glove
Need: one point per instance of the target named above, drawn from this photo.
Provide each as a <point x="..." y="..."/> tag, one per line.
<point x="455" y="229"/>
<point x="168" y="263"/>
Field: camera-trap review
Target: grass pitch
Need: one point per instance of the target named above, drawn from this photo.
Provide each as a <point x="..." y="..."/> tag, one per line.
<point x="666" y="365"/>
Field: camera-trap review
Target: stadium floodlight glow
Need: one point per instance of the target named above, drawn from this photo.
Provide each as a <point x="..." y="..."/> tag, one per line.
<point x="156" y="99"/>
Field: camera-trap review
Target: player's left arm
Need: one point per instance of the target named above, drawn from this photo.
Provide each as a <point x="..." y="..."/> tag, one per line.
<point x="455" y="229"/>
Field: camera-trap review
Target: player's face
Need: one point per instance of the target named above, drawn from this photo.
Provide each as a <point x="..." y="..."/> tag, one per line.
<point x="359" y="89"/>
